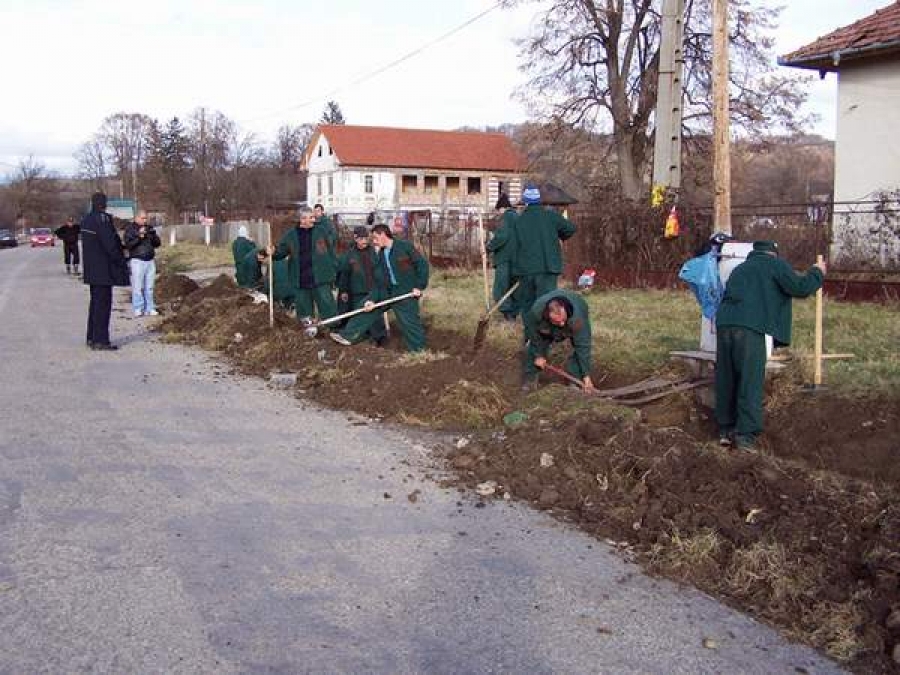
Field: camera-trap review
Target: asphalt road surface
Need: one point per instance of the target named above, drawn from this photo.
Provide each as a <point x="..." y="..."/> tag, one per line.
<point x="159" y="514"/>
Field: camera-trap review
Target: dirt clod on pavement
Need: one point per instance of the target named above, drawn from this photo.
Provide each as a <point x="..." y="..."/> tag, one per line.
<point x="804" y="533"/>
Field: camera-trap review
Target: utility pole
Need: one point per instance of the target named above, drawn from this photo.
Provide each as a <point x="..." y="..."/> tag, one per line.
<point x="721" y="121"/>
<point x="667" y="143"/>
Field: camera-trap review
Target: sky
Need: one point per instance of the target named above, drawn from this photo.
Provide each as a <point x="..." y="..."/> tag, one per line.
<point x="67" y="64"/>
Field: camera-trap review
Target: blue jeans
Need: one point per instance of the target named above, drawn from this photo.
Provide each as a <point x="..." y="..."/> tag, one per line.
<point x="143" y="275"/>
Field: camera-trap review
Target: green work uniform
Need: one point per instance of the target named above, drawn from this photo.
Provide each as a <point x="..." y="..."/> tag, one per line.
<point x="319" y="294"/>
<point x="410" y="271"/>
<point x="537" y="255"/>
<point x="356" y="279"/>
<point x="251" y="269"/>
<point x="244" y="275"/>
<point x="577" y="331"/>
<point x="757" y="303"/>
<point x="501" y="246"/>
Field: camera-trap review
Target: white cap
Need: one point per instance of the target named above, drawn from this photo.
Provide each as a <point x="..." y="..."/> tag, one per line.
<point x="242" y="231"/>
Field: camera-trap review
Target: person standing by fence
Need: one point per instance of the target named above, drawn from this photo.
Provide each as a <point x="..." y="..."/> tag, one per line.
<point x="69" y="234"/>
<point x="141" y="241"/>
<point x="502" y="245"/>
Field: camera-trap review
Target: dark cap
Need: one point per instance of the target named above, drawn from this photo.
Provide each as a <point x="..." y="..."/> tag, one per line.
<point x="360" y="231"/>
<point x="503" y="202"/>
<point x="98" y="201"/>
<point x="765" y="246"/>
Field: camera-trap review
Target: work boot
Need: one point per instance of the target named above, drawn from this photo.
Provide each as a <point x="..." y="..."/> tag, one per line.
<point x="726" y="438"/>
<point x="104" y="347"/>
<point x="745" y="443"/>
<point x="68" y="269"/>
<point x="340" y="339"/>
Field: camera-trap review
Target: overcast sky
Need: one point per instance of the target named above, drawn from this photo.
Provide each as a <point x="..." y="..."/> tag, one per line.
<point x="67" y="64"/>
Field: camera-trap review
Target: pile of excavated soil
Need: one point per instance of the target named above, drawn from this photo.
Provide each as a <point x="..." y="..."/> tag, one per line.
<point x="805" y="534"/>
<point x="173" y="287"/>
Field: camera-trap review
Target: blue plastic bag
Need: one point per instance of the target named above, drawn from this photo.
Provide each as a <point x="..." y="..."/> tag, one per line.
<point x="702" y="275"/>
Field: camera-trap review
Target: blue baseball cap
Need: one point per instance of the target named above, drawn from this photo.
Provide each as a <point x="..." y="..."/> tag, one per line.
<point x="531" y="195"/>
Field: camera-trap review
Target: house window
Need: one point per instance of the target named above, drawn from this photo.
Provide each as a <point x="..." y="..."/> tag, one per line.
<point x="369" y="184"/>
<point x="474" y="185"/>
<point x="431" y="184"/>
<point x="452" y="184"/>
<point x="320" y="151"/>
<point x="318" y="185"/>
<point x="330" y="150"/>
<point x="330" y="184"/>
<point x="410" y="183"/>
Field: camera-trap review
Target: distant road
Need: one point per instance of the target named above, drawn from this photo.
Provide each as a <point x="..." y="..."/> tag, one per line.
<point x="160" y="515"/>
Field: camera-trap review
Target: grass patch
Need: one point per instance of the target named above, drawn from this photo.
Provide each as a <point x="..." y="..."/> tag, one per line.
<point x="687" y="557"/>
<point x="420" y="358"/>
<point x="186" y="257"/>
<point x="473" y="405"/>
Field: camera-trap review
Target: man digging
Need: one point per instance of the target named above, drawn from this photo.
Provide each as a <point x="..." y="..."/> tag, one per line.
<point x="556" y="316"/>
<point x="757" y="303"/>
<point x="356" y="279"/>
<point x="401" y="269"/>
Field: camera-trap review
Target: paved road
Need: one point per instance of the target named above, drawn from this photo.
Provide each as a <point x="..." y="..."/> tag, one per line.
<point x="158" y="514"/>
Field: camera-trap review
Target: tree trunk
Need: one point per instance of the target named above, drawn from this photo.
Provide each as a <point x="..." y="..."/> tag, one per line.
<point x="630" y="170"/>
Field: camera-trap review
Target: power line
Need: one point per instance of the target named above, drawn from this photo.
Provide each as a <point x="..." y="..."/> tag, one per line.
<point x="382" y="69"/>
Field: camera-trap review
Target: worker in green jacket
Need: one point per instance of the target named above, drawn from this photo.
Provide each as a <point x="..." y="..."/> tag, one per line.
<point x="401" y="269"/>
<point x="356" y="278"/>
<point x="537" y="255"/>
<point x="312" y="265"/>
<point x="250" y="268"/>
<point x="244" y="274"/>
<point x="757" y="302"/>
<point x="556" y="316"/>
<point x="501" y="246"/>
<point x="322" y="220"/>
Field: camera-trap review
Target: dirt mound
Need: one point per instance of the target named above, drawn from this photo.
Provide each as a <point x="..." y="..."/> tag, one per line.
<point x="172" y="287"/>
<point x="805" y="534"/>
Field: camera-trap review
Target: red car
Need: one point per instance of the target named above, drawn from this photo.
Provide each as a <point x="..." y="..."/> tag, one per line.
<point x="42" y="236"/>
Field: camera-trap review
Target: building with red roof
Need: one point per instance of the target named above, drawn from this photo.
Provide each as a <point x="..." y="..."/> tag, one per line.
<point x="357" y="169"/>
<point x="865" y="56"/>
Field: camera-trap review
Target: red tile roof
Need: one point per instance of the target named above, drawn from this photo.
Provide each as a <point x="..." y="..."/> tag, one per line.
<point x="875" y="35"/>
<point x="420" y="148"/>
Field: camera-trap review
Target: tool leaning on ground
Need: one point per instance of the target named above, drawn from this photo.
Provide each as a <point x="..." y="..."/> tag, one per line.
<point x="311" y="326"/>
<point x="484" y="321"/>
<point x="652" y="389"/>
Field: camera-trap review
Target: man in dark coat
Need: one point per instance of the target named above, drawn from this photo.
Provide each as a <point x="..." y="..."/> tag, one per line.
<point x="69" y="233"/>
<point x="502" y="245"/>
<point x="356" y="278"/>
<point x="401" y="269"/>
<point x="104" y="267"/>
<point x="537" y="256"/>
<point x="757" y="303"/>
<point x="558" y="316"/>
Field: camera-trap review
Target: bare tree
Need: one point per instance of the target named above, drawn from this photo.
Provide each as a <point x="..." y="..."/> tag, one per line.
<point x="34" y="193"/>
<point x="290" y="144"/>
<point x="594" y="64"/>
<point x="91" y="158"/>
<point x="126" y="140"/>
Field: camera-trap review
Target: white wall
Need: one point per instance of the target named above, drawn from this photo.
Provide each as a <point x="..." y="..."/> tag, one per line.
<point x="867" y="154"/>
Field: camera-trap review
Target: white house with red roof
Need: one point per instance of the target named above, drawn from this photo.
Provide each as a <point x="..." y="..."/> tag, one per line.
<point x="357" y="169"/>
<point x="865" y="56"/>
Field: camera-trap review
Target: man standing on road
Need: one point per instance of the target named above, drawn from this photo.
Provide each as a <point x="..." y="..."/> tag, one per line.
<point x="401" y="269"/>
<point x="501" y="245"/>
<point x="69" y="234"/>
<point x="356" y="278"/>
<point x="556" y="316"/>
<point x="104" y="267"/>
<point x="757" y="303"/>
<point x="312" y="265"/>
<point x="537" y="256"/>
<point x="142" y="241"/>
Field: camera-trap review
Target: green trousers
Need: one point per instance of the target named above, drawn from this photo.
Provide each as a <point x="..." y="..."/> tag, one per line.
<point x="376" y="330"/>
<point x="502" y="281"/>
<point x="407" y="314"/>
<point x="320" y="298"/>
<point x="740" y="381"/>
<point x="531" y="287"/>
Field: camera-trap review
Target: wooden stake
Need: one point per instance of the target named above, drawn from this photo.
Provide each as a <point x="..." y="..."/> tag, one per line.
<point x="271" y="279"/>
<point x="484" y="269"/>
<point x="817" y="372"/>
<point x="721" y="120"/>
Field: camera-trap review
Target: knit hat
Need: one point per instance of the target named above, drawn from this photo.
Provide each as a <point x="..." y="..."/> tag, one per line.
<point x="765" y="246"/>
<point x="503" y="202"/>
<point x="243" y="231"/>
<point x="360" y="231"/>
<point x="531" y="195"/>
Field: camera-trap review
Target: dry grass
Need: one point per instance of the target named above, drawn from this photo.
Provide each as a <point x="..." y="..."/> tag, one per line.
<point x="186" y="257"/>
<point x="766" y="568"/>
<point x="688" y="557"/>
<point x="837" y="629"/>
<point x="420" y="358"/>
<point x="475" y="405"/>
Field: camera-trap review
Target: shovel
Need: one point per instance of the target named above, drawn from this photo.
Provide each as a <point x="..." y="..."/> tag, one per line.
<point x="481" y="330"/>
<point x="311" y="326"/>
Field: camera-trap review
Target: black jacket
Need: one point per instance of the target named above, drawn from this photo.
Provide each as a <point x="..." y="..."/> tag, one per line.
<point x="142" y="248"/>
<point x="68" y="234"/>
<point x="101" y="251"/>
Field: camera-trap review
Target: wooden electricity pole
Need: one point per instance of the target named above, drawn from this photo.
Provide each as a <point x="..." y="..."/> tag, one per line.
<point x="721" y="121"/>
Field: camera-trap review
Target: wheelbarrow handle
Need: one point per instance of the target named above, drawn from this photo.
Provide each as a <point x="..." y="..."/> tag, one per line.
<point x="347" y="315"/>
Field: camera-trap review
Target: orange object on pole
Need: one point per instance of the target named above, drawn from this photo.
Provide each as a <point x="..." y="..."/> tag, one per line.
<point x="673" y="224"/>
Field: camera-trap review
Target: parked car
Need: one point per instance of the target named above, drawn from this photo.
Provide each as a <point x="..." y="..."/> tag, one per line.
<point x="7" y="239"/>
<point x="42" y="236"/>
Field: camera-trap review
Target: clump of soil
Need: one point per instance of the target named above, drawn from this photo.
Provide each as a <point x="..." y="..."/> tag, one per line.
<point x="173" y="287"/>
<point x="804" y="534"/>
